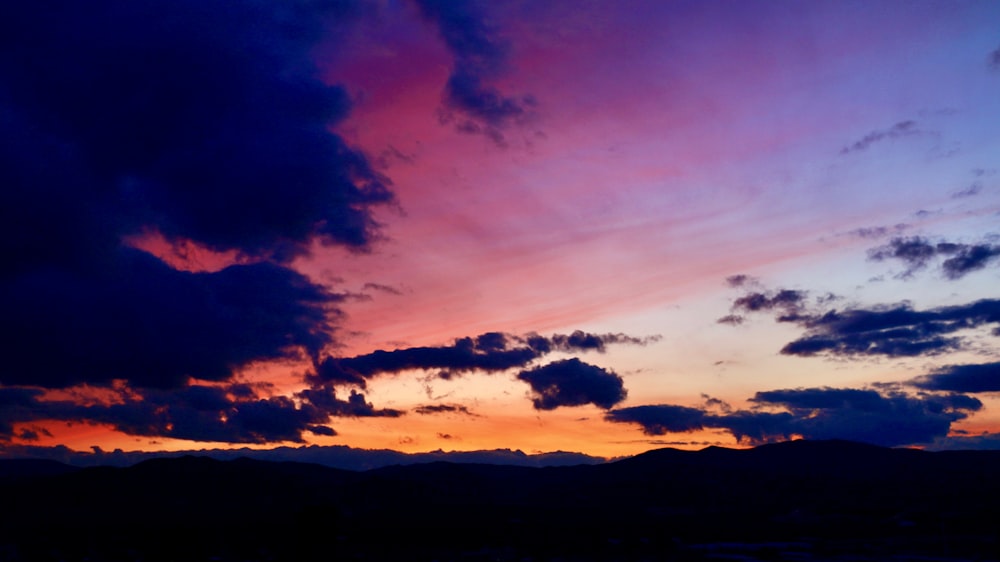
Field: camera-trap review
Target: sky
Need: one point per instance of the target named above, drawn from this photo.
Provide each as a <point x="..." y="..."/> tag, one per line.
<point x="590" y="226"/>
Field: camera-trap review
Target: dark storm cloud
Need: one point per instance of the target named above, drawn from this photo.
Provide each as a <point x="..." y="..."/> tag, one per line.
<point x="894" y="331"/>
<point x="489" y="352"/>
<point x="916" y="252"/>
<point x="155" y="326"/>
<point x="479" y="56"/>
<point x="984" y="377"/>
<point x="888" y="419"/>
<point x="901" y="129"/>
<point x="204" y="122"/>
<point x="572" y="382"/>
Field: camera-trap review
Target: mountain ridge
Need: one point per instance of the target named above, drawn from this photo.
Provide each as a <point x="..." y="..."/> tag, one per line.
<point x="839" y="498"/>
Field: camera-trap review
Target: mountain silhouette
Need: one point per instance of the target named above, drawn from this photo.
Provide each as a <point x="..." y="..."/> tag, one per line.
<point x="798" y="500"/>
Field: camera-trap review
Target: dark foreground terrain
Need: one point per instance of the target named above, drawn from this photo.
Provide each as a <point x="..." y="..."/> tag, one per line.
<point x="791" y="501"/>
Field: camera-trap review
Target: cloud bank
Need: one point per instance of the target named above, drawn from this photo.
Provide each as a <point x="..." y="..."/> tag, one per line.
<point x="202" y="123"/>
<point x="889" y="419"/>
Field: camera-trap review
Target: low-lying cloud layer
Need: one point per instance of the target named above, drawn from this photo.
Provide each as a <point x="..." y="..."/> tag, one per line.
<point x="889" y="419"/>
<point x="241" y="413"/>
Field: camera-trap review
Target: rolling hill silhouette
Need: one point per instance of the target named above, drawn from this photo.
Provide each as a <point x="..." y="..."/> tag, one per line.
<point x="797" y="500"/>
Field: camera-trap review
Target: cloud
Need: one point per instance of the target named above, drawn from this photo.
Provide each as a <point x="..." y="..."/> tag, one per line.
<point x="969" y="258"/>
<point x="17" y="405"/>
<point x="583" y="341"/>
<point x="893" y="331"/>
<point x="326" y="431"/>
<point x="901" y="129"/>
<point x="785" y="299"/>
<point x="659" y="419"/>
<point x="741" y="280"/>
<point x="489" y="352"/>
<point x="229" y="413"/>
<point x="874" y="232"/>
<point x="788" y="301"/>
<point x="142" y="321"/>
<point x="983" y="377"/>
<point x="442" y="409"/>
<point x="479" y="56"/>
<point x="888" y="419"/>
<point x="325" y="399"/>
<point x="984" y="441"/>
<point x="196" y="413"/>
<point x="201" y="123"/>
<point x="382" y="288"/>
<point x="716" y="403"/>
<point x="916" y="252"/>
<point x="731" y="319"/>
<point x="973" y="189"/>
<point x="572" y="382"/>
<point x="204" y="121"/>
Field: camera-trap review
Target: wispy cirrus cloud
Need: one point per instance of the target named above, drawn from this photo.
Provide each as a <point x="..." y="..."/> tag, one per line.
<point x="902" y="129"/>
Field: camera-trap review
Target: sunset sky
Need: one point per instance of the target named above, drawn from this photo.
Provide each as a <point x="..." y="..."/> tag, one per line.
<point x="588" y="226"/>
